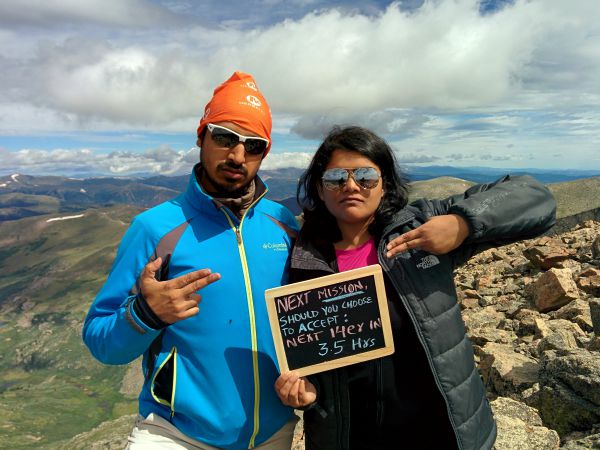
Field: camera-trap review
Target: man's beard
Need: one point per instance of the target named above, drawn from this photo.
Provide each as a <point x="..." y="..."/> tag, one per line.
<point x="227" y="190"/>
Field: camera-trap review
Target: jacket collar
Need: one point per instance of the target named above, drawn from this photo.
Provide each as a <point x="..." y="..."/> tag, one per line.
<point x="308" y="255"/>
<point x="200" y="200"/>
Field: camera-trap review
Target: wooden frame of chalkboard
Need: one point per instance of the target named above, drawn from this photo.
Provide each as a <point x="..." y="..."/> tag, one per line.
<point x="331" y="321"/>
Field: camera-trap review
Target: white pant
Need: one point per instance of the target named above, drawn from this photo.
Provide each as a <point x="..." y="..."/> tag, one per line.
<point x="156" y="433"/>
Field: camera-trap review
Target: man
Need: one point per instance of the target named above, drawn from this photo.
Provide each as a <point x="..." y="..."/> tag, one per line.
<point x="210" y="367"/>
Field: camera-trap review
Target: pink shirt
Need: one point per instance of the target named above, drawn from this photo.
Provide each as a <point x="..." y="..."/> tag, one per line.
<point x="361" y="256"/>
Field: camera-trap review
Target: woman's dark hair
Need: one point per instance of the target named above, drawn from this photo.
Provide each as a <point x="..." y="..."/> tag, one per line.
<point x="319" y="223"/>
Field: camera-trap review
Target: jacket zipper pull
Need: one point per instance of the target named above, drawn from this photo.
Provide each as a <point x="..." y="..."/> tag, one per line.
<point x="238" y="236"/>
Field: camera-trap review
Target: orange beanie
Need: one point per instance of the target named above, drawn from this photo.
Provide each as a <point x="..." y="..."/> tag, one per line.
<point x="238" y="100"/>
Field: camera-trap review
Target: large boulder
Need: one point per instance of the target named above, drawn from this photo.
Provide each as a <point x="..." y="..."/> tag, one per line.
<point x="507" y="371"/>
<point x="548" y="253"/>
<point x="582" y="441"/>
<point x="589" y="281"/>
<point x="554" y="289"/>
<point x="520" y="427"/>
<point x="595" y="315"/>
<point x="484" y="317"/>
<point x="596" y="248"/>
<point x="577" y="311"/>
<point x="570" y="390"/>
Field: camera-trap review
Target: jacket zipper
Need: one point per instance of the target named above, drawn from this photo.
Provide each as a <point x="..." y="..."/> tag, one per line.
<point x="254" y="340"/>
<point x="420" y="336"/>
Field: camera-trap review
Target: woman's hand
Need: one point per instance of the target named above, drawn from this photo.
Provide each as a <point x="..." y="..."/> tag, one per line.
<point x="439" y="235"/>
<point x="295" y="391"/>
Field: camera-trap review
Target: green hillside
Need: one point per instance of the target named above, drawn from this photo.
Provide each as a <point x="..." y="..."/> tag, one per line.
<point x="50" y="387"/>
<point x="441" y="187"/>
<point x="17" y="206"/>
<point x="573" y="197"/>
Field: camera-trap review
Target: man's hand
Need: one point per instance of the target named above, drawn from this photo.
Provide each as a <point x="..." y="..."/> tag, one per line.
<point x="439" y="235"/>
<point x="295" y="391"/>
<point x="176" y="299"/>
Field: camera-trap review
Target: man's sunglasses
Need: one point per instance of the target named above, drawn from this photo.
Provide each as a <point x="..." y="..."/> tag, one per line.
<point x="226" y="138"/>
<point x="336" y="179"/>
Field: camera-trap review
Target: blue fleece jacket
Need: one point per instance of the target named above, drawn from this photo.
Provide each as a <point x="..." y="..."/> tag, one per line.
<point x="212" y="375"/>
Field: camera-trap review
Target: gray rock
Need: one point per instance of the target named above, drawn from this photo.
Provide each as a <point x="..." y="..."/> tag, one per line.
<point x="595" y="315"/>
<point x="558" y="340"/>
<point x="487" y="316"/>
<point x="570" y="390"/>
<point x="507" y="371"/>
<point x="580" y="441"/>
<point x="596" y="248"/>
<point x="520" y="427"/>
<point x="577" y="311"/>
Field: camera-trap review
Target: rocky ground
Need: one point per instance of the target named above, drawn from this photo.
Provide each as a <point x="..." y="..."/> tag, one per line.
<point x="532" y="310"/>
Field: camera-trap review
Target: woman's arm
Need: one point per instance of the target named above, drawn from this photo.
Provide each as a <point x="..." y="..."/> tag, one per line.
<point x="510" y="209"/>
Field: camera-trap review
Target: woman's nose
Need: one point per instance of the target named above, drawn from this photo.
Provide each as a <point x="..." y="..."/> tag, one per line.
<point x="351" y="185"/>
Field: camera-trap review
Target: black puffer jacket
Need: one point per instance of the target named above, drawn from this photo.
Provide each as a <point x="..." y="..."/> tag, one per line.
<point x="428" y="394"/>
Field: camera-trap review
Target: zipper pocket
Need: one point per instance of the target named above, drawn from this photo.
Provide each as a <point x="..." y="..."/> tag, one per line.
<point x="163" y="384"/>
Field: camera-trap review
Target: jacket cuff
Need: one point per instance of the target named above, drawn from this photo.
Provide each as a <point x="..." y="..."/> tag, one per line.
<point x="314" y="405"/>
<point x="146" y="315"/>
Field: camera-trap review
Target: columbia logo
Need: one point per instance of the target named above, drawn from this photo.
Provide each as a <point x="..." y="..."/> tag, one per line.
<point x="278" y="247"/>
<point x="428" y="261"/>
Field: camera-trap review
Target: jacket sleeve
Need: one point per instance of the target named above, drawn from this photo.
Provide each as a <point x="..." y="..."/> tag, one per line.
<point x="510" y="209"/>
<point x="112" y="330"/>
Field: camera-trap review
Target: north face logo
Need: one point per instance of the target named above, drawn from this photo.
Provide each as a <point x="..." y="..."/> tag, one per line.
<point x="428" y="261"/>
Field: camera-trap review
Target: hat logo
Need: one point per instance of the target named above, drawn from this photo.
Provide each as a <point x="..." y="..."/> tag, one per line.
<point x="251" y="85"/>
<point x="253" y="100"/>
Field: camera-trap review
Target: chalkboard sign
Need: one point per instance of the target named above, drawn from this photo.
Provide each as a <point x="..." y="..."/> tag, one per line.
<point x="331" y="321"/>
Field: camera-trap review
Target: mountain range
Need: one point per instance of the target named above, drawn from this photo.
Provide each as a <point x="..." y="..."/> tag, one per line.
<point x="25" y="195"/>
<point x="57" y="244"/>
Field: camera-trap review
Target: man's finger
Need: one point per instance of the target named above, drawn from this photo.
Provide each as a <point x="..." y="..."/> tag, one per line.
<point x="195" y="297"/>
<point x="190" y="312"/>
<point x="183" y="280"/>
<point x="200" y="283"/>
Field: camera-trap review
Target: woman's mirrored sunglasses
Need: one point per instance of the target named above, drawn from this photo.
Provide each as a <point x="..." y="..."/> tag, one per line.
<point x="226" y="138"/>
<point x="336" y="179"/>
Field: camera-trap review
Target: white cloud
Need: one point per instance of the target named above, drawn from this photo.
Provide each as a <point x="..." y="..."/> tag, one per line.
<point x="58" y="12"/>
<point x="160" y="161"/>
<point x="406" y="72"/>
<point x="286" y="159"/>
<point x="411" y="158"/>
<point x="444" y="55"/>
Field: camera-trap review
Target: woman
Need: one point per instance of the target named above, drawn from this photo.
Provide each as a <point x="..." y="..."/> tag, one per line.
<point x="428" y="394"/>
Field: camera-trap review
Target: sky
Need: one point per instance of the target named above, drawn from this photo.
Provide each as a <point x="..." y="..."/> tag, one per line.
<point x="117" y="87"/>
